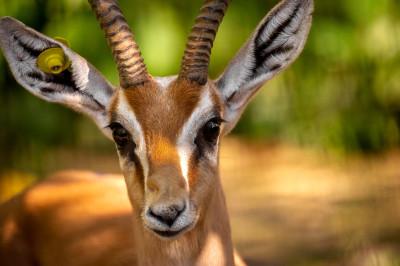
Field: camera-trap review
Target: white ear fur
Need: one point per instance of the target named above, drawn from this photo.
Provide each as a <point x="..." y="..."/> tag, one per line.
<point x="275" y="44"/>
<point x="81" y="87"/>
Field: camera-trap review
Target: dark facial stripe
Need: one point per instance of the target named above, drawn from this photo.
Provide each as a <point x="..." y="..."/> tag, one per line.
<point x="139" y="169"/>
<point x="128" y="152"/>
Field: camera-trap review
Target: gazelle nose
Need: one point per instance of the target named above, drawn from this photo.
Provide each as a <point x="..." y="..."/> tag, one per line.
<point x="167" y="214"/>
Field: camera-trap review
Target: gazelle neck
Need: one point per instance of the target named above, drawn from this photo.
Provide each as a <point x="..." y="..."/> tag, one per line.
<point x="208" y="243"/>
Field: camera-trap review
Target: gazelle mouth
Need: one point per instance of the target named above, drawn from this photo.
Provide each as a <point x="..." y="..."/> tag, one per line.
<point x="170" y="233"/>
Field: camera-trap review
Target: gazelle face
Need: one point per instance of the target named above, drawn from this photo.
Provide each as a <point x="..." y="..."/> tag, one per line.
<point x="167" y="139"/>
<point x="166" y="130"/>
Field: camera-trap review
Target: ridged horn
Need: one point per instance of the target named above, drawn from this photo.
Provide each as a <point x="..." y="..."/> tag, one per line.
<point x="198" y="48"/>
<point x="131" y="67"/>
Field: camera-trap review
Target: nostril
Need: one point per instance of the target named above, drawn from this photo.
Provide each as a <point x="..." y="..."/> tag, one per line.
<point x="166" y="217"/>
<point x="167" y="214"/>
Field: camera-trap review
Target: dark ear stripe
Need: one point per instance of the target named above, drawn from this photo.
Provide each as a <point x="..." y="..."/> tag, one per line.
<point x="47" y="90"/>
<point x="27" y="49"/>
<point x="260" y="43"/>
<point x="80" y="87"/>
<point x="261" y="47"/>
<point x="265" y="50"/>
<point x="23" y="41"/>
<point x="34" y="75"/>
<point x="63" y="79"/>
<point x="263" y="56"/>
<point x="93" y="100"/>
<point x="129" y="153"/>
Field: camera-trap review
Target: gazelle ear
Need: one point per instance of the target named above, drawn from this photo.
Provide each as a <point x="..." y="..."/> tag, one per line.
<point x="276" y="43"/>
<point x="80" y="86"/>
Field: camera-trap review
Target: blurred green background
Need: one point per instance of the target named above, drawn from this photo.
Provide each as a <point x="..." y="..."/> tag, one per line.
<point x="343" y="94"/>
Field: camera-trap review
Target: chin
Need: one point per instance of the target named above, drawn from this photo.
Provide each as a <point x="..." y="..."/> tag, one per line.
<point x="173" y="232"/>
<point x="170" y="234"/>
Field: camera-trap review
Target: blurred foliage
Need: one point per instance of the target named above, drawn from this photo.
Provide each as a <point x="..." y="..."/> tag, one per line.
<point x="342" y="94"/>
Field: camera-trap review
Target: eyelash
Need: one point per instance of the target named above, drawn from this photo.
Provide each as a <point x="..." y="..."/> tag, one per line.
<point x="120" y="135"/>
<point x="208" y="134"/>
<point x="123" y="137"/>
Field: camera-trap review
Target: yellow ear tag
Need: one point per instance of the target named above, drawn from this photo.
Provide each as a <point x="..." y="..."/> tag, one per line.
<point x="53" y="60"/>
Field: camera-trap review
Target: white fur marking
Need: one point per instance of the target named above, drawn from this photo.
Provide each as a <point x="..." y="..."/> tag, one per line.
<point x="131" y="123"/>
<point x="189" y="131"/>
<point x="164" y="82"/>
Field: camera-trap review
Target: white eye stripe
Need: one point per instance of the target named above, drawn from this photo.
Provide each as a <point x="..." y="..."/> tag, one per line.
<point x="189" y="130"/>
<point x="137" y="133"/>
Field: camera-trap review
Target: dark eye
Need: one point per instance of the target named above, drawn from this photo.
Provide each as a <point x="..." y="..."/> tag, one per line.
<point x="210" y="131"/>
<point x="120" y="134"/>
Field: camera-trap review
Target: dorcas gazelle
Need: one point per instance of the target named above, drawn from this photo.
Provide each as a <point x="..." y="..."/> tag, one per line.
<point x="167" y="132"/>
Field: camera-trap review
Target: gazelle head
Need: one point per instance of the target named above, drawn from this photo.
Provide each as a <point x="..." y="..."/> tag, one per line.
<point x="167" y="129"/>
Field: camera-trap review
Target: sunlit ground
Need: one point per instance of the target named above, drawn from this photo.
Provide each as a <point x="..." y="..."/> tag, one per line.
<point x="291" y="206"/>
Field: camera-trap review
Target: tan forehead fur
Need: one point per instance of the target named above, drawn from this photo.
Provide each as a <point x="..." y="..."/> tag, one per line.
<point x="163" y="111"/>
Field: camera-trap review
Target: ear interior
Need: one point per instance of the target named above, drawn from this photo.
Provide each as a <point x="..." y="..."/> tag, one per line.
<point x="80" y="86"/>
<point x="22" y="46"/>
<point x="274" y="45"/>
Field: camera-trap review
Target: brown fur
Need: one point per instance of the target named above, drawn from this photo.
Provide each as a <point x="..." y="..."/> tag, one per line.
<point x="161" y="113"/>
<point x="82" y="219"/>
<point x="149" y="104"/>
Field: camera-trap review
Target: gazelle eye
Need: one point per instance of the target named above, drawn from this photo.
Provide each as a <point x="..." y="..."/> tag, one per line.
<point x="208" y="134"/>
<point x="120" y="134"/>
<point x="210" y="130"/>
